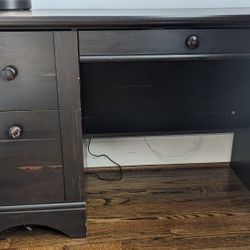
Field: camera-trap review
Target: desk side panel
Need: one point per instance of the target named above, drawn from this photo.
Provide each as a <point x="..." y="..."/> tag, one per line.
<point x="67" y="66"/>
<point x="241" y="156"/>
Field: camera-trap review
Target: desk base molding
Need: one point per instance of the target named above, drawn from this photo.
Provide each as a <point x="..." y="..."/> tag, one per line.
<point x="68" y="218"/>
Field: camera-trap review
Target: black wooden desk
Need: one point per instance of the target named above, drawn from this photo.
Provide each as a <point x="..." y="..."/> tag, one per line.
<point x="115" y="72"/>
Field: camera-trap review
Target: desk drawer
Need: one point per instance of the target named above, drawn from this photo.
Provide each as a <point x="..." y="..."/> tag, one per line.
<point x="27" y="71"/>
<point x="134" y="42"/>
<point x="33" y="124"/>
<point x="31" y="172"/>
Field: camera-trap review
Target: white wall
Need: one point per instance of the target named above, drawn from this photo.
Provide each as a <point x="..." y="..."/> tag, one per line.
<point x="99" y="4"/>
<point x="157" y="150"/>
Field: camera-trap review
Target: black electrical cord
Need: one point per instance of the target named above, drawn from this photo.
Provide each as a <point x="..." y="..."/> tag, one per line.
<point x="106" y="156"/>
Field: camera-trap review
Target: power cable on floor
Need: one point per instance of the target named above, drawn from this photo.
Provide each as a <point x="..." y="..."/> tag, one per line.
<point x="107" y="157"/>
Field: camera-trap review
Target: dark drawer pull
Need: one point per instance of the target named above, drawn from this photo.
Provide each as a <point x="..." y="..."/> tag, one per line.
<point x="193" y="42"/>
<point x="15" y="132"/>
<point x="9" y="73"/>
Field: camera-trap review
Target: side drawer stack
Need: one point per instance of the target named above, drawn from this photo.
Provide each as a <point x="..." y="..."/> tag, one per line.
<point x="30" y="145"/>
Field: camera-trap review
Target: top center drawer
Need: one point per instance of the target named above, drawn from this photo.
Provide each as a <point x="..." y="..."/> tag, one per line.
<point x="168" y="41"/>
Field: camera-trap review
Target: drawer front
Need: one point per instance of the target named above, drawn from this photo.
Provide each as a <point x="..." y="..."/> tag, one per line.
<point x="176" y="41"/>
<point x="33" y="83"/>
<point x="31" y="172"/>
<point x="33" y="124"/>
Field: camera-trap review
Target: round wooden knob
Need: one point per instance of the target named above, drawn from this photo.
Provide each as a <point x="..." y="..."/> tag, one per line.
<point x="193" y="42"/>
<point x="15" y="132"/>
<point x="9" y="73"/>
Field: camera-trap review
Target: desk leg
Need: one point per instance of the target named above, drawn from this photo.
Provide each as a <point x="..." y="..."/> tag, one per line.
<point x="241" y="156"/>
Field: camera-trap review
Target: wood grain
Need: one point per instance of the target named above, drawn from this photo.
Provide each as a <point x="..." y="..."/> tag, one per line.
<point x="34" y="88"/>
<point x="31" y="172"/>
<point x="68" y="80"/>
<point x="155" y="209"/>
<point x="240" y="156"/>
<point x="161" y="41"/>
<point x="35" y="124"/>
<point x="126" y="18"/>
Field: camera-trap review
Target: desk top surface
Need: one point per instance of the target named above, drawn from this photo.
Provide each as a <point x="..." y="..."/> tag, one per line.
<point x="124" y="18"/>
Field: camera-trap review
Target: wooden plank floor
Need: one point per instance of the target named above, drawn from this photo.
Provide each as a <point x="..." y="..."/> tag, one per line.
<point x="160" y="209"/>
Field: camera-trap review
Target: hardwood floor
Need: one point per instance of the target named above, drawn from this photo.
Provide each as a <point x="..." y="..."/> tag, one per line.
<point x="155" y="209"/>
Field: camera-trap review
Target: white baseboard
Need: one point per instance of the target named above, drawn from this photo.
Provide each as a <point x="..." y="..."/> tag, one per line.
<point x="157" y="150"/>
